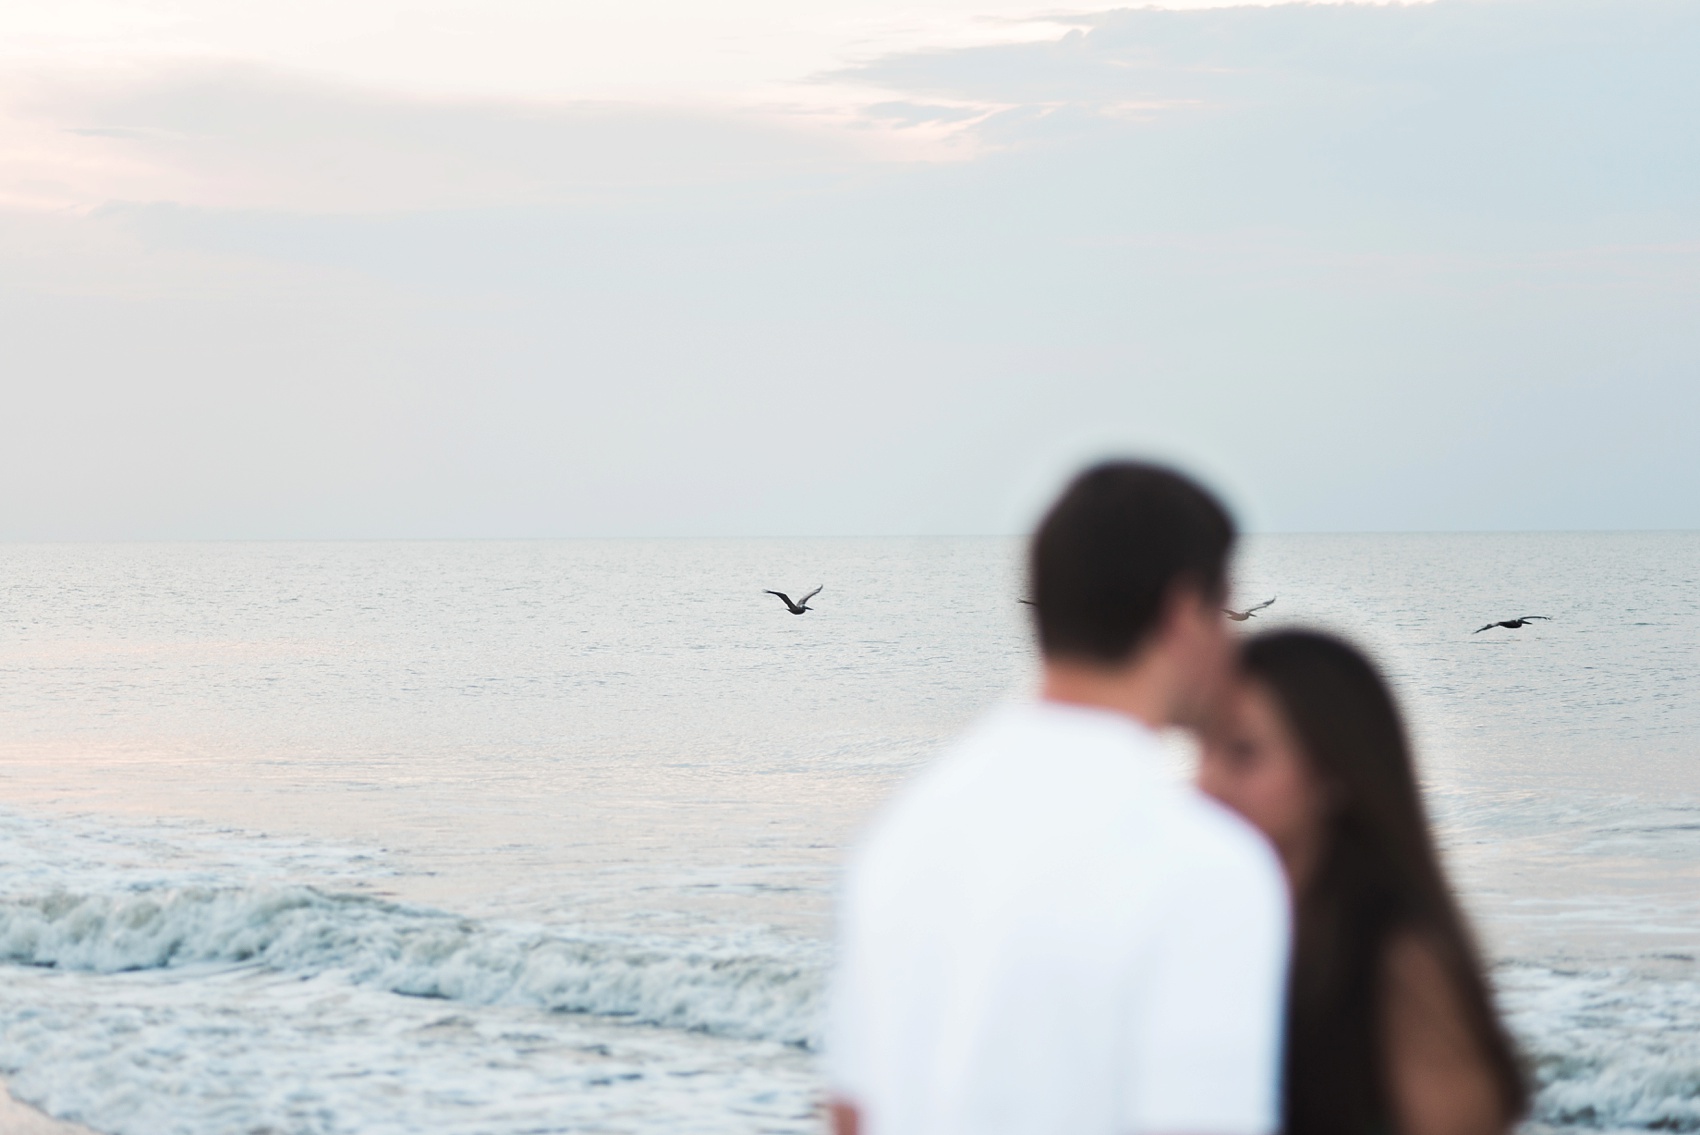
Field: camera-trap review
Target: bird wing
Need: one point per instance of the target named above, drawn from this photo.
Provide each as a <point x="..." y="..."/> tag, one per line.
<point x="783" y="596"/>
<point x="1029" y="602"/>
<point x="1233" y="614"/>
<point x="810" y="595"/>
<point x="1261" y="606"/>
<point x="1489" y="627"/>
<point x="1547" y="618"/>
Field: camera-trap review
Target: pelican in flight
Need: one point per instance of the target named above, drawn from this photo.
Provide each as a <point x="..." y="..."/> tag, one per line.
<point x="1511" y="624"/>
<point x="1242" y="616"/>
<point x="797" y="608"/>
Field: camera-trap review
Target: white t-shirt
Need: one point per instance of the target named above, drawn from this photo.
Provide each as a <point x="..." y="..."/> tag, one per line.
<point x="1043" y="932"/>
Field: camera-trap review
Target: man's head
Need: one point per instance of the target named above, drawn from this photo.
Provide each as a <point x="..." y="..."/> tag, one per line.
<point x="1128" y="572"/>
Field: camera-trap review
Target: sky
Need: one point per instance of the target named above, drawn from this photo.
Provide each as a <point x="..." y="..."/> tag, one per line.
<point x="508" y="268"/>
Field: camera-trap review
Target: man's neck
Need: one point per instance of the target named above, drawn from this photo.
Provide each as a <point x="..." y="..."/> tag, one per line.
<point x="1137" y="689"/>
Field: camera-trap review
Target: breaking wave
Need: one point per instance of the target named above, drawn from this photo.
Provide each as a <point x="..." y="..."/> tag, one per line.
<point x="725" y="989"/>
<point x="1609" y="1050"/>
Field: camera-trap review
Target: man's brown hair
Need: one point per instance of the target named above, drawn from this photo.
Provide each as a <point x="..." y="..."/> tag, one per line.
<point x="1108" y="554"/>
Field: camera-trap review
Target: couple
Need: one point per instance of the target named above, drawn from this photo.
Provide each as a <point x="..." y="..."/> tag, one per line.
<point x="1044" y="934"/>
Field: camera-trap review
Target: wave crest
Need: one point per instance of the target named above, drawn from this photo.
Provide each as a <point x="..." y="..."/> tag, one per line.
<point x="726" y="990"/>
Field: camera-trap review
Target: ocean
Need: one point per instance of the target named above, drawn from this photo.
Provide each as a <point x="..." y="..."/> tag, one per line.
<point x="483" y="837"/>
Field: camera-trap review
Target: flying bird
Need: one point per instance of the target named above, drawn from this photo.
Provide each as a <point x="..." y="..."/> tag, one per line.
<point x="1242" y="616"/>
<point x="797" y="608"/>
<point x="1510" y="624"/>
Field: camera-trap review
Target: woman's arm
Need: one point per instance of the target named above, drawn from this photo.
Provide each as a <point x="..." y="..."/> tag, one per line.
<point x="1437" y="1075"/>
<point x="846" y="1120"/>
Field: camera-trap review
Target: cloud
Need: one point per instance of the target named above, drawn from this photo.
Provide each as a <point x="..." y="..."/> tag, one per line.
<point x="1557" y="110"/>
<point x="239" y="136"/>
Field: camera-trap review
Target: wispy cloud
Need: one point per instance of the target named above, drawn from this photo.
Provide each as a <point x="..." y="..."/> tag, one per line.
<point x="1513" y="106"/>
<point x="173" y="118"/>
<point x="241" y="137"/>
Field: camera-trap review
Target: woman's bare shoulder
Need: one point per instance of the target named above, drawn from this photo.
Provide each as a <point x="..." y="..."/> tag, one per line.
<point x="1439" y="1074"/>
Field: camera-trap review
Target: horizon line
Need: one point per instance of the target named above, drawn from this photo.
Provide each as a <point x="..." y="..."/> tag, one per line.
<point x="603" y="538"/>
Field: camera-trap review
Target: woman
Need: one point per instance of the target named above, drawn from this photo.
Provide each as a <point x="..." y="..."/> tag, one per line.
<point x="1390" y="1028"/>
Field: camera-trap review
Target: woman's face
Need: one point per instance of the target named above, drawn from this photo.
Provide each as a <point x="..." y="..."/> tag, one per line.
<point x="1254" y="765"/>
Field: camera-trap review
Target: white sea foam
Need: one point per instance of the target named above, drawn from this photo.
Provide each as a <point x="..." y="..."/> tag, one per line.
<point x="729" y="989"/>
<point x="192" y="1051"/>
<point x="1610" y="1050"/>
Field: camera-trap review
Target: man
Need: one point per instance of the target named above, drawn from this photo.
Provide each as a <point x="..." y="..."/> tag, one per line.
<point x="1043" y="932"/>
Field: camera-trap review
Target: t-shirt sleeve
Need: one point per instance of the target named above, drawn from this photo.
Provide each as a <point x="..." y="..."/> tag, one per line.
<point x="1208" y="1003"/>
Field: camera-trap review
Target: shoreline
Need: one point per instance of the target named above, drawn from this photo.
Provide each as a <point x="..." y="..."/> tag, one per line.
<point x="21" y="1119"/>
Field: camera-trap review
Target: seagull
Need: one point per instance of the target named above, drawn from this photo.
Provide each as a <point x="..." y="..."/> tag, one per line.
<point x="1510" y="624"/>
<point x="797" y="608"/>
<point x="1242" y="616"/>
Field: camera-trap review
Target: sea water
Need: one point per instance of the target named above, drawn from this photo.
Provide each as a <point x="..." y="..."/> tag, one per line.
<point x="526" y="837"/>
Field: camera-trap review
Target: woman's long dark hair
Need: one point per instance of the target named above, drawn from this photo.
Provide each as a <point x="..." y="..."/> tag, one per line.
<point x="1378" y="877"/>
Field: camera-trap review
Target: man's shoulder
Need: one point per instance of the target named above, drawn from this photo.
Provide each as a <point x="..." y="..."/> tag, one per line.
<point x="939" y="794"/>
<point x="1052" y="776"/>
<point x="1023" y="754"/>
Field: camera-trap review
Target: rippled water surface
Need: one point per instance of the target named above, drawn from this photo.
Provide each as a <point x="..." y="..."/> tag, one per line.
<point x="483" y="837"/>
